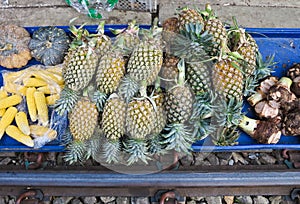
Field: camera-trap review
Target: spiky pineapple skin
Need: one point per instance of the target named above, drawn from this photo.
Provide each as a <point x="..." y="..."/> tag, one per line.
<point x="110" y="71"/>
<point x="169" y="71"/>
<point x="139" y="119"/>
<point x="79" y="67"/>
<point x="113" y="119"/>
<point x="145" y="61"/>
<point x="216" y="28"/>
<point x="198" y="76"/>
<point x="227" y="79"/>
<point x="160" y="113"/>
<point x="103" y="44"/>
<point x="187" y="16"/>
<point x="249" y="56"/>
<point x="83" y="119"/>
<point x="179" y="102"/>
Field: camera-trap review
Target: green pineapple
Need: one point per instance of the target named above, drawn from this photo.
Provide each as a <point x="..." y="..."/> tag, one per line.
<point x="189" y="16"/>
<point x="216" y="28"/>
<point x="144" y="63"/>
<point x="83" y="120"/>
<point x="179" y="102"/>
<point x="139" y="123"/>
<point x="113" y="126"/>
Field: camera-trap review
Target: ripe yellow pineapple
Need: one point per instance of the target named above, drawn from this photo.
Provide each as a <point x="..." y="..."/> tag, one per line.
<point x="83" y="120"/>
<point x="140" y="117"/>
<point x="187" y="16"/>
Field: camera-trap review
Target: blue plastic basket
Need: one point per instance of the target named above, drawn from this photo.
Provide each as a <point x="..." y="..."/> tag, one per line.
<point x="284" y="43"/>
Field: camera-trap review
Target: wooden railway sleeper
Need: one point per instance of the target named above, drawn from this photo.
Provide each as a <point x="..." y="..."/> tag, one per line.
<point x="31" y="196"/>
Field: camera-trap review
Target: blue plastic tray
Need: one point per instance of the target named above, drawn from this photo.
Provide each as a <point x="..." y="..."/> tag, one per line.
<point x="284" y="43"/>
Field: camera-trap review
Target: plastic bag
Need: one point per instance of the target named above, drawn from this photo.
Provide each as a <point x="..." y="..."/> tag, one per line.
<point x="92" y="8"/>
<point x="39" y="87"/>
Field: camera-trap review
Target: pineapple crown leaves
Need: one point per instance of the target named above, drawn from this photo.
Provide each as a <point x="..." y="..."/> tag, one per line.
<point x="226" y="136"/>
<point x="264" y="68"/>
<point x="75" y="152"/>
<point x="93" y="146"/>
<point x="128" y="87"/>
<point x="178" y="137"/>
<point x="154" y="145"/>
<point x="99" y="99"/>
<point x="137" y="150"/>
<point x="66" y="102"/>
<point x="202" y="128"/>
<point x="132" y="29"/>
<point x="208" y="13"/>
<point x="111" y="151"/>
<point x="229" y="113"/>
<point x="203" y="106"/>
<point x="195" y="33"/>
<point x="191" y="44"/>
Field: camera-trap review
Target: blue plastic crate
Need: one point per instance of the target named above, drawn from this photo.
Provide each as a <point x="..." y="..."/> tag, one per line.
<point x="284" y="43"/>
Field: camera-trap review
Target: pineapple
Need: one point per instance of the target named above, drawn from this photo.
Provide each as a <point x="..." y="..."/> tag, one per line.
<point x="215" y="27"/>
<point x="187" y="16"/>
<point x="99" y="41"/>
<point x="242" y="42"/>
<point x="79" y="67"/>
<point x="169" y="71"/>
<point x="83" y="120"/>
<point x="228" y="78"/>
<point x="110" y="70"/>
<point x="154" y="146"/>
<point x="194" y="49"/>
<point x="127" y="38"/>
<point x="139" y="123"/>
<point x="144" y="63"/>
<point x="179" y="102"/>
<point x="113" y="126"/>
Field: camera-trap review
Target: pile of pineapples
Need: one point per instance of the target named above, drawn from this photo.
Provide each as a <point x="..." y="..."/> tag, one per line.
<point x="149" y="92"/>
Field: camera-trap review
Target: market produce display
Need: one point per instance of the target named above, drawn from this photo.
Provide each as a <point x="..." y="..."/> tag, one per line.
<point x="146" y="92"/>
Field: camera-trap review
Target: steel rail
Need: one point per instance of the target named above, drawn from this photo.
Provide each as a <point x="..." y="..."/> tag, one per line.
<point x="74" y="183"/>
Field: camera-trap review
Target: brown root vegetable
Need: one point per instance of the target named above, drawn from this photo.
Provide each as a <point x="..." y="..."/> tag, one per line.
<point x="291" y="124"/>
<point x="294" y="71"/>
<point x="262" y="90"/>
<point x="14" y="51"/>
<point x="266" y="132"/>
<point x="266" y="110"/>
<point x="281" y="92"/>
<point x="295" y="88"/>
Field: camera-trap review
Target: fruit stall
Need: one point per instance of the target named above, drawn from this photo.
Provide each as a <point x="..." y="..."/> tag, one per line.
<point x="138" y="85"/>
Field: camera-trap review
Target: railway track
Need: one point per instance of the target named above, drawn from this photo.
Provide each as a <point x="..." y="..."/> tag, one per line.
<point x="184" y="182"/>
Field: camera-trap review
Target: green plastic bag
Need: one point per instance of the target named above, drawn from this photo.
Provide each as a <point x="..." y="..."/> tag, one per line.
<point x="92" y="8"/>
